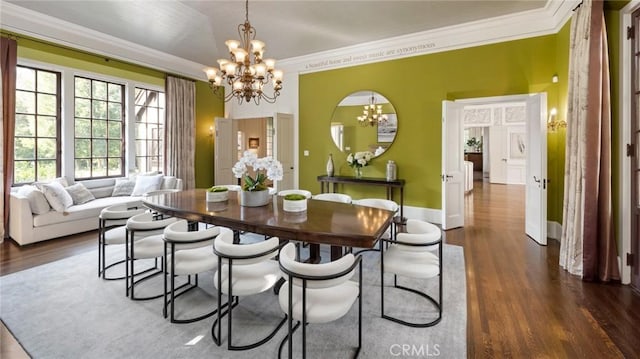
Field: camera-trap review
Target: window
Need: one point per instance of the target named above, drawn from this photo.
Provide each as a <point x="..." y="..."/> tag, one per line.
<point x="149" y="130"/>
<point x="37" y="126"/>
<point x="98" y="129"/>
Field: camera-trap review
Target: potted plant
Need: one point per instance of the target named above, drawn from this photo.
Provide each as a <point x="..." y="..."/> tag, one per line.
<point x="217" y="194"/>
<point x="294" y="203"/>
<point x="254" y="189"/>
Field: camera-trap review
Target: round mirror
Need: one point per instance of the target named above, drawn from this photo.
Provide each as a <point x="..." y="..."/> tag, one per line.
<point x="364" y="121"/>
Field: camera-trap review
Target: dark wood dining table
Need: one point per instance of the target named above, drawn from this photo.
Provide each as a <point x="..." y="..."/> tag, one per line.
<point x="339" y="225"/>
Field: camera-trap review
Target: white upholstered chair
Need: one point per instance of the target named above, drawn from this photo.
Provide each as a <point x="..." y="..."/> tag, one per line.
<point x="243" y="269"/>
<point x="318" y="293"/>
<point x="412" y="255"/>
<point x="143" y="240"/>
<point x="334" y="197"/>
<point x="187" y="251"/>
<point x="112" y="220"/>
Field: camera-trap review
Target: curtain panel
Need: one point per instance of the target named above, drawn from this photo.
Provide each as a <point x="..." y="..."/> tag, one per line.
<point x="587" y="246"/>
<point x="180" y="130"/>
<point x="8" y="62"/>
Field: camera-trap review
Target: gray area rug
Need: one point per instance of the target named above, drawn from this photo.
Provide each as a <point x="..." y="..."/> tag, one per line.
<point x="62" y="310"/>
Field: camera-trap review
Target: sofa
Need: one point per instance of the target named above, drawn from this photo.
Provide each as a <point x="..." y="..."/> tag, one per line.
<point x="32" y="219"/>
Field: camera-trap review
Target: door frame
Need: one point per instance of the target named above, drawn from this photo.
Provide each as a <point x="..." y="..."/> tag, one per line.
<point x="624" y="106"/>
<point x="494" y="100"/>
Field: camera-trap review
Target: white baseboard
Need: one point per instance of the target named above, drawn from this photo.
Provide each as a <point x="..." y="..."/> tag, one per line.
<point x="554" y="230"/>
<point x="426" y="214"/>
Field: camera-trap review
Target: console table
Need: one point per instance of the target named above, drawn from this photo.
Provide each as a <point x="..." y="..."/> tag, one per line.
<point x="326" y="181"/>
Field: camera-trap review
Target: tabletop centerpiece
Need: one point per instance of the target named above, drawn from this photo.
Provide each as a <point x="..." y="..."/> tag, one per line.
<point x="255" y="192"/>
<point x="217" y="194"/>
<point x="294" y="203"/>
<point x="359" y="160"/>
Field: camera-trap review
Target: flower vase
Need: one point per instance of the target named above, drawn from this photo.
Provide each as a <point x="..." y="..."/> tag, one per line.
<point x="254" y="198"/>
<point x="330" y="166"/>
<point x="358" y="172"/>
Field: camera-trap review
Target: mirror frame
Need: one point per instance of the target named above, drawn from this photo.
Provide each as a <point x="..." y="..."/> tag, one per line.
<point x="345" y="128"/>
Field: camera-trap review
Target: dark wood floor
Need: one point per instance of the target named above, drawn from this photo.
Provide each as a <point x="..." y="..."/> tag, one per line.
<point x="520" y="304"/>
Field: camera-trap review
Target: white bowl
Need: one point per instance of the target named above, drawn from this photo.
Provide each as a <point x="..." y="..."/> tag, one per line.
<point x="294" y="206"/>
<point x="217" y="196"/>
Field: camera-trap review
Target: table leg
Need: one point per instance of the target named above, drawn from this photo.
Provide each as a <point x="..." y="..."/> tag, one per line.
<point x="336" y="252"/>
<point x="314" y="253"/>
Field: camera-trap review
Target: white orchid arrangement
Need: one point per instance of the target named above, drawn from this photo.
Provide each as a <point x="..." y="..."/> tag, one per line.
<point x="359" y="159"/>
<point x="272" y="169"/>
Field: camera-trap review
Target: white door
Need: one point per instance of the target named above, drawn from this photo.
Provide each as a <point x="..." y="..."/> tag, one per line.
<point x="536" y="173"/>
<point x="498" y="155"/>
<point x="225" y="151"/>
<point x="452" y="166"/>
<point x="283" y="125"/>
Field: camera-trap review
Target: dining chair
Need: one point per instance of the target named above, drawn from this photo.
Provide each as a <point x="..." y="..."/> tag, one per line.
<point x="143" y="240"/>
<point x="318" y="293"/>
<point x="243" y="270"/>
<point x="411" y="255"/>
<point x="334" y="197"/>
<point x="187" y="252"/>
<point x="111" y="231"/>
<point x="294" y="191"/>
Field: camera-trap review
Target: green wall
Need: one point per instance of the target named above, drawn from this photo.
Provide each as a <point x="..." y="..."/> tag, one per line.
<point x="208" y="106"/>
<point x="416" y="86"/>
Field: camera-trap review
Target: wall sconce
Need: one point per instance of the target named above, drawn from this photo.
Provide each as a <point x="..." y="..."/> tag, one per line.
<point x="554" y="79"/>
<point x="254" y="142"/>
<point x="210" y="131"/>
<point x="553" y="124"/>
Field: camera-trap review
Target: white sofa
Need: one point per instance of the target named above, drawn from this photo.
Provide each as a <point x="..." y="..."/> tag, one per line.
<point x="26" y="227"/>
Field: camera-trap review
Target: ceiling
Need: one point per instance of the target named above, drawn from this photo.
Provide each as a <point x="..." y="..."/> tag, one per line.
<point x="196" y="30"/>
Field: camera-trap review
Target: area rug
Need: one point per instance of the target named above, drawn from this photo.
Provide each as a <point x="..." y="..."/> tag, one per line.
<point x="63" y="310"/>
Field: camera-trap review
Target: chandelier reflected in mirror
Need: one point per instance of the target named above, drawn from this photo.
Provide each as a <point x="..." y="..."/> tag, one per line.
<point x="372" y="114"/>
<point x="246" y="72"/>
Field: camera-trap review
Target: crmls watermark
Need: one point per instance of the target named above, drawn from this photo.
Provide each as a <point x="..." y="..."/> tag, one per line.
<point x="414" y="350"/>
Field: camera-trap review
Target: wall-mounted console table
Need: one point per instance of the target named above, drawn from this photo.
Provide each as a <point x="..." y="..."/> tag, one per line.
<point x="326" y="181"/>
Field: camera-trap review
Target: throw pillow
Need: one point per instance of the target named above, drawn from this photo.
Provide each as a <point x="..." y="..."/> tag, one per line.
<point x="37" y="201"/>
<point x="123" y="187"/>
<point x="58" y="198"/>
<point x="80" y="194"/>
<point x="146" y="184"/>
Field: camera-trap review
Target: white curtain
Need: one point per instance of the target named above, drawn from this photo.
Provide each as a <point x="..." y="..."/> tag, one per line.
<point x="180" y="130"/>
<point x="573" y="204"/>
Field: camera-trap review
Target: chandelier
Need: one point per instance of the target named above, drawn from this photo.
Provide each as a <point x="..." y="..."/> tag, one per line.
<point x="246" y="72"/>
<point x="372" y="114"/>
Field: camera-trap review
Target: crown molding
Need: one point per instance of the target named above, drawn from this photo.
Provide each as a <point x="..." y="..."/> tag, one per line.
<point x="544" y="21"/>
<point x="539" y="22"/>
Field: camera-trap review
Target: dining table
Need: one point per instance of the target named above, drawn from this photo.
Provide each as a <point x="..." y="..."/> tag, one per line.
<point x="339" y="225"/>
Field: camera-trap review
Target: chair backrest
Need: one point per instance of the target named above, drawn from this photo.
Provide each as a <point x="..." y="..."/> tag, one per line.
<point x="378" y="203"/>
<point x="333" y="197"/>
<point x="420" y="232"/>
<point x="122" y="211"/>
<point x="244" y="253"/>
<point x="145" y="222"/>
<point x="288" y="262"/>
<point x="179" y="232"/>
<point x="294" y="191"/>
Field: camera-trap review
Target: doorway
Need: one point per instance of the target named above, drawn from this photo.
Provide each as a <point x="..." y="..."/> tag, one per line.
<point x="519" y="124"/>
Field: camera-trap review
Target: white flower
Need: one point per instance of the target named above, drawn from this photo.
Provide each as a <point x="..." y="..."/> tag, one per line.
<point x="271" y="166"/>
<point x="360" y="159"/>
